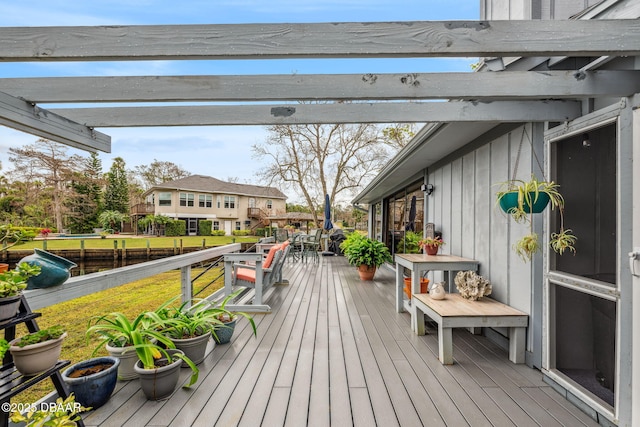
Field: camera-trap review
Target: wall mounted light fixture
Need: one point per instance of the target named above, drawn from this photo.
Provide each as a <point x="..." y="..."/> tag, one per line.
<point x="427" y="188"/>
<point x="586" y="142"/>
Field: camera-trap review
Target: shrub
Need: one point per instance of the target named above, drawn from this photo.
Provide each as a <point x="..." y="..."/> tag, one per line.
<point x="218" y="233"/>
<point x="176" y="228"/>
<point x="259" y="232"/>
<point x="204" y="227"/>
<point x="241" y="232"/>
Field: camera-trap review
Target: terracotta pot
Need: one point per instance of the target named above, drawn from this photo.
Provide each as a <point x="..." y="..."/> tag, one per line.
<point x="366" y="272"/>
<point x="4" y="267"/>
<point x="431" y="249"/>
<point x="424" y="286"/>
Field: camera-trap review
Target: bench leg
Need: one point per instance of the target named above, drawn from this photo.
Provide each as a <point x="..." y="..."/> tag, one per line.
<point x="445" y="345"/>
<point x="517" y="340"/>
<point x="417" y="319"/>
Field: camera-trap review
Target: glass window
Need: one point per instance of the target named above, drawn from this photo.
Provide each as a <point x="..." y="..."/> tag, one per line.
<point x="187" y="199"/>
<point x="205" y="201"/>
<point x="216" y="225"/>
<point x="269" y="204"/>
<point x="218" y="202"/>
<point x="164" y="199"/>
<point x="229" y="202"/>
<point x="252" y="202"/>
<point x="238" y="225"/>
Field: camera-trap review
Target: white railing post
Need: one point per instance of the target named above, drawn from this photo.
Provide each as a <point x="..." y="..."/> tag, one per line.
<point x="185" y="284"/>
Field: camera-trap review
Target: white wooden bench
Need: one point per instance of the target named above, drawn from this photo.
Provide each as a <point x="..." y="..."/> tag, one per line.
<point x="457" y="312"/>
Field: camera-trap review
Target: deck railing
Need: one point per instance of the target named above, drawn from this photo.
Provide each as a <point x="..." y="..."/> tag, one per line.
<point x="87" y="284"/>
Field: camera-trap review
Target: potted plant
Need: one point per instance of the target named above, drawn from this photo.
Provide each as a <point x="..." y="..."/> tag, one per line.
<point x="159" y="368"/>
<point x="37" y="351"/>
<point x="190" y="327"/>
<point x="223" y="331"/>
<point x="521" y="199"/>
<point x="12" y="283"/>
<point x="431" y="245"/>
<point x="118" y="334"/>
<point x="63" y="413"/>
<point x="365" y="253"/>
<point x="92" y="381"/>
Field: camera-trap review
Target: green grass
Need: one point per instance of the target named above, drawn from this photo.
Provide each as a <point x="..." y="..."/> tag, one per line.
<point x="130" y="299"/>
<point x="134" y="242"/>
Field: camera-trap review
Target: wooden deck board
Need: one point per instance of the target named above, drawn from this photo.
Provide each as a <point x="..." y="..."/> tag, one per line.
<point x="334" y="352"/>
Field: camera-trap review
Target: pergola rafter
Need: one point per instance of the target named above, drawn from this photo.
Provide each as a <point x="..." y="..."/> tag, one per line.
<point x="416" y="39"/>
<point x="336" y="87"/>
<point x="489" y="97"/>
<point x="376" y="112"/>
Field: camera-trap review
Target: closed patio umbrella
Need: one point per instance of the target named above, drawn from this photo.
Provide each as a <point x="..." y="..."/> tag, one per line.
<point x="328" y="225"/>
<point x="411" y="223"/>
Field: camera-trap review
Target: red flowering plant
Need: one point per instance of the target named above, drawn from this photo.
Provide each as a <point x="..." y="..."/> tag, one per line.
<point x="45" y="232"/>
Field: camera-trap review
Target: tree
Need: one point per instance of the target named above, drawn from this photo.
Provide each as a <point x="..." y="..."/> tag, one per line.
<point x="314" y="160"/>
<point x="158" y="172"/>
<point x="85" y="204"/>
<point x="45" y="168"/>
<point x="111" y="220"/>
<point x="116" y="196"/>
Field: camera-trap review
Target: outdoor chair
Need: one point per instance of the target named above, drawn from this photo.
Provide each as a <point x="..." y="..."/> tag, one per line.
<point x="312" y="245"/>
<point x="238" y="271"/>
<point x="296" y="247"/>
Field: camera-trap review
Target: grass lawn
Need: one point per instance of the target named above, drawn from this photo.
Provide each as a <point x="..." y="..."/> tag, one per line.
<point x="130" y="299"/>
<point x="134" y="242"/>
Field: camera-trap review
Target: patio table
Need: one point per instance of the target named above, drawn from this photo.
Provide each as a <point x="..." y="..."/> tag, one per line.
<point x="418" y="263"/>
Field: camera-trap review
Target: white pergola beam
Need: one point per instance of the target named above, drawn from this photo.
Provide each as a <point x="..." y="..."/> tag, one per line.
<point x="24" y="116"/>
<point x="379" y="112"/>
<point x="323" y="40"/>
<point x="416" y="86"/>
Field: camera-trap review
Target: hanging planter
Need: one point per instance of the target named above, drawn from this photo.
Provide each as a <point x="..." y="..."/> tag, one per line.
<point x="510" y="201"/>
<point x="520" y="199"/>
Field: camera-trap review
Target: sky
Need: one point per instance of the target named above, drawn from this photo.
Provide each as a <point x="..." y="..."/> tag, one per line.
<point x="223" y="152"/>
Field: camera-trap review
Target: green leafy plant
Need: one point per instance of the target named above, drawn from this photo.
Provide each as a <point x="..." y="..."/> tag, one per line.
<point x="52" y="333"/>
<point x="4" y="346"/>
<point x="528" y="193"/>
<point x="361" y="250"/>
<point x="188" y="322"/>
<point x="225" y="316"/>
<point x="429" y="241"/>
<point x="410" y="244"/>
<point x="117" y="330"/>
<point x="63" y="413"/>
<point x="14" y="281"/>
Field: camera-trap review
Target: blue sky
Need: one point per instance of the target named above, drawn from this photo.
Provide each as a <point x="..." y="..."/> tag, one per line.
<point x="223" y="152"/>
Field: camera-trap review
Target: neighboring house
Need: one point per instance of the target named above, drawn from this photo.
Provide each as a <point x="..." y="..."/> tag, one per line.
<point x="581" y="327"/>
<point x="229" y="206"/>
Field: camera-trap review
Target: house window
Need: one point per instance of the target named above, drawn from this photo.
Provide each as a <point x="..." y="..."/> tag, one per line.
<point x="229" y="202"/>
<point x="205" y="201"/>
<point x="238" y="225"/>
<point x="252" y="202"/>
<point x="269" y="204"/>
<point x="218" y="202"/>
<point x="187" y="199"/>
<point x="164" y="199"/>
<point x="216" y="225"/>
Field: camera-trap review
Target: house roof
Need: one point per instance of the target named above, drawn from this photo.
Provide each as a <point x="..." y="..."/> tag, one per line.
<point x="209" y="184"/>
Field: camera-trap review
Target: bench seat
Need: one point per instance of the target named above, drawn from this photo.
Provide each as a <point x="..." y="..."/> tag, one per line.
<point x="457" y="312"/>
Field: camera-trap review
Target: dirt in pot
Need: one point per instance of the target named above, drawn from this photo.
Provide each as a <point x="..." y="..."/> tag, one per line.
<point x="79" y="373"/>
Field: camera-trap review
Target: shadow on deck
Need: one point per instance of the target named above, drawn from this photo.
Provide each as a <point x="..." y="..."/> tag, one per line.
<point x="335" y="352"/>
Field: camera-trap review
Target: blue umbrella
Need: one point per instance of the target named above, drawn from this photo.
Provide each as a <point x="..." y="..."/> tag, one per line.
<point x="327" y="213"/>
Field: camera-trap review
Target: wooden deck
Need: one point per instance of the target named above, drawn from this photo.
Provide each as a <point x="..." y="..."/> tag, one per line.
<point x="335" y="352"/>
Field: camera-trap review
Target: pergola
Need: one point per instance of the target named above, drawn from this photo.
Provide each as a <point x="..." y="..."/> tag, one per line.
<point x="518" y="96"/>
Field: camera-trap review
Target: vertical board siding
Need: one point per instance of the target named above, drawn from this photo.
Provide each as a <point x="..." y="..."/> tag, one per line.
<point x="464" y="209"/>
<point x="469" y="226"/>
